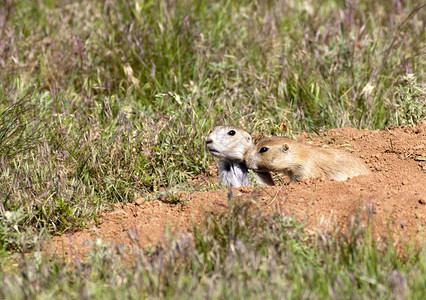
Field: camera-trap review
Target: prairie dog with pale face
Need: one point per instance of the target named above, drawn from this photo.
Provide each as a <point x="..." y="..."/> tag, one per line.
<point x="230" y="144"/>
<point x="300" y="161"/>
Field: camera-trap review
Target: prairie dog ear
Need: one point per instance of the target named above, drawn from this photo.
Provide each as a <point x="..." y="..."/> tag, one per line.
<point x="285" y="148"/>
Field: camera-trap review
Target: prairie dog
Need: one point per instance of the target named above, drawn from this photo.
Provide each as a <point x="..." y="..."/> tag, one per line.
<point x="300" y="161"/>
<point x="230" y="144"/>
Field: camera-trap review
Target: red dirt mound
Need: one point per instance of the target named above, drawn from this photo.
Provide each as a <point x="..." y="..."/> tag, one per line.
<point x="394" y="195"/>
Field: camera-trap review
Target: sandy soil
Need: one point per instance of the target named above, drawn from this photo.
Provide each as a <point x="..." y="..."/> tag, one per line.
<point x="394" y="195"/>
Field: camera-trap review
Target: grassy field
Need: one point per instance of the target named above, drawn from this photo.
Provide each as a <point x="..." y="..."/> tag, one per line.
<point x="105" y="101"/>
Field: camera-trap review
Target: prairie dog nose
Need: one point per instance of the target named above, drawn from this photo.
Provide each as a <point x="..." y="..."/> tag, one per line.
<point x="208" y="140"/>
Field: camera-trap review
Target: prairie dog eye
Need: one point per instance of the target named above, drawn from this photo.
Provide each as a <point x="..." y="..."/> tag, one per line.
<point x="231" y="132"/>
<point x="263" y="149"/>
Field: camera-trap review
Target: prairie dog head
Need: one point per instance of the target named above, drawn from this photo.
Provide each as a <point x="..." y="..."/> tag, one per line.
<point x="273" y="154"/>
<point x="229" y="143"/>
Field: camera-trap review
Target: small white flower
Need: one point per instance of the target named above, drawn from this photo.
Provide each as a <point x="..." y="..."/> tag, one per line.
<point x="368" y="89"/>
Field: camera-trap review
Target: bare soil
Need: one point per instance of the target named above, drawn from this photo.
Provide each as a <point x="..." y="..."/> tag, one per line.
<point x="393" y="196"/>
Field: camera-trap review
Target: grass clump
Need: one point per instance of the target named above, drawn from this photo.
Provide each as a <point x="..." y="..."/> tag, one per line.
<point x="13" y="231"/>
<point x="411" y="101"/>
<point x="18" y="131"/>
<point x="238" y="254"/>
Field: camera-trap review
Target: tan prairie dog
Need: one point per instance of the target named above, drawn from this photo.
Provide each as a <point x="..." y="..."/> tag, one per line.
<point x="230" y="144"/>
<point x="300" y="161"/>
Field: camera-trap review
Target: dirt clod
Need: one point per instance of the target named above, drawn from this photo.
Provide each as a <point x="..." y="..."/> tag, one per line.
<point x="140" y="201"/>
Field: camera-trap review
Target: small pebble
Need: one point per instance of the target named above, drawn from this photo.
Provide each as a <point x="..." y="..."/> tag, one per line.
<point x="140" y="201"/>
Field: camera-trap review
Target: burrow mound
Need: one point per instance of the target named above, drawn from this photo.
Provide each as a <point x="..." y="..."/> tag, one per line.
<point x="393" y="197"/>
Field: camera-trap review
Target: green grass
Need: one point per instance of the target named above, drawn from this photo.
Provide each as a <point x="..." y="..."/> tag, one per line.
<point x="106" y="101"/>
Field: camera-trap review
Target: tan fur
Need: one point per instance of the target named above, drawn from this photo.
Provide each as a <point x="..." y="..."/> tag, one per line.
<point x="300" y="161"/>
<point x="231" y="149"/>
